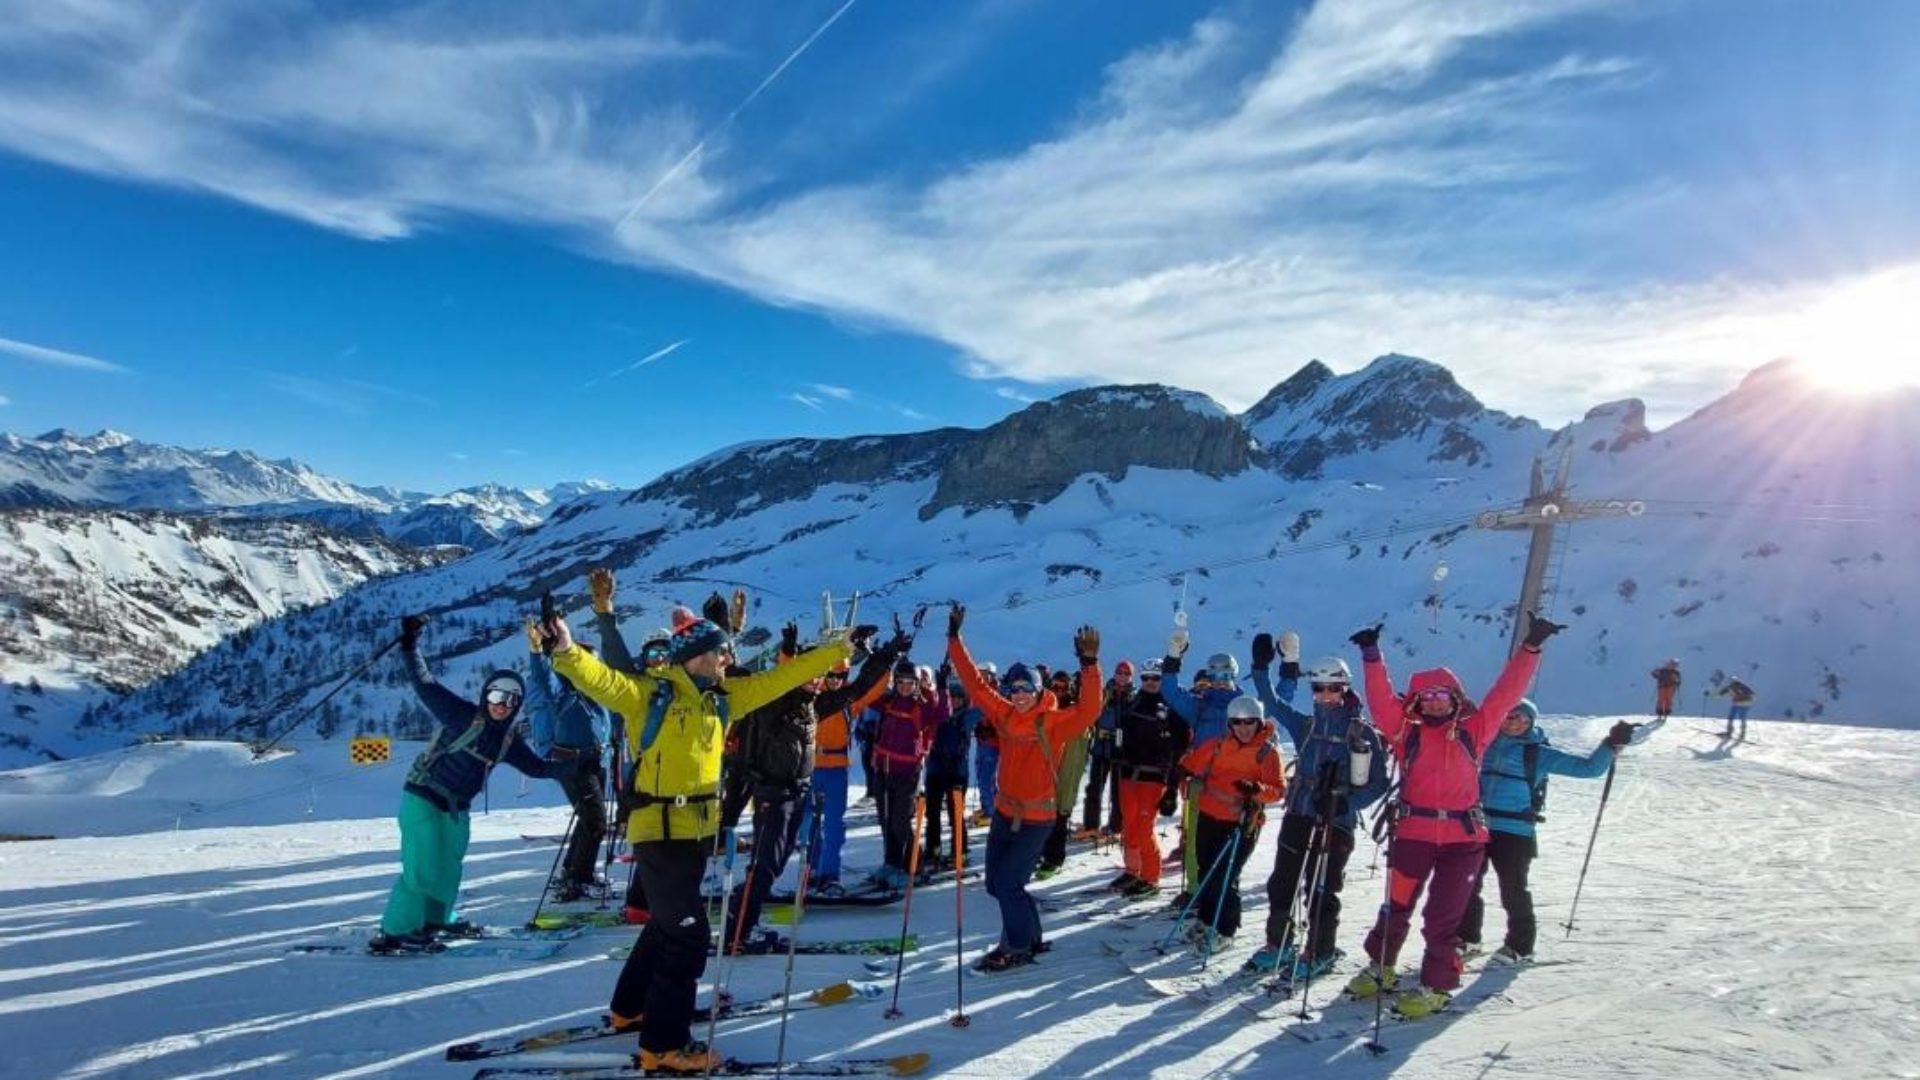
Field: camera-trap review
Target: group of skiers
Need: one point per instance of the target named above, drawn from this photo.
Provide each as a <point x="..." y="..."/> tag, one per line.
<point x="1666" y="691"/>
<point x="1469" y="790"/>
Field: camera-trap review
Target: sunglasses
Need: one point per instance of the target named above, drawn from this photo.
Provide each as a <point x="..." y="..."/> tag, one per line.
<point x="1244" y="721"/>
<point x="836" y="676"/>
<point x="502" y="697"/>
<point x="1149" y="678"/>
<point x="1328" y="688"/>
<point x="1426" y="696"/>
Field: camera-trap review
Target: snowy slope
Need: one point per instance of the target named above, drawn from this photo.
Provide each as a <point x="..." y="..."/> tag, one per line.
<point x="96" y="602"/>
<point x="1740" y="920"/>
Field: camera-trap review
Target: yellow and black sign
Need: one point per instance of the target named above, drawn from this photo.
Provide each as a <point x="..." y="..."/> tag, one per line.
<point x="371" y="751"/>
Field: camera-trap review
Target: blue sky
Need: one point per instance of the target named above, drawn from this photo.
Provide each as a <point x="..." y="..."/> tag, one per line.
<point x="430" y="244"/>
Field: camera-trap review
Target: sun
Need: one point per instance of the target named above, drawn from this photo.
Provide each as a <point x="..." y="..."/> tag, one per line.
<point x="1865" y="338"/>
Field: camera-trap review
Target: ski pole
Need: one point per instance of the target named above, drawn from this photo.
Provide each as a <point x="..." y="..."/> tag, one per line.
<point x="566" y="838"/>
<point x="1605" y="790"/>
<point x="906" y="913"/>
<point x="793" y="929"/>
<point x="726" y="957"/>
<point x="958" y="797"/>
<point x="746" y="883"/>
<point x="1316" y="907"/>
<point x="345" y="681"/>
<point x="1227" y="884"/>
<point x="1382" y="966"/>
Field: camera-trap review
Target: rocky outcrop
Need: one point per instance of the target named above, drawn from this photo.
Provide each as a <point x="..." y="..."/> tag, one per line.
<point x="1031" y="456"/>
<point x="757" y="475"/>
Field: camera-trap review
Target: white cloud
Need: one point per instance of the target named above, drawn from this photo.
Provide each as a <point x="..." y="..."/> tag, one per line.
<point x="658" y="354"/>
<point x="1011" y="394"/>
<point x="809" y="402"/>
<point x="1229" y="205"/>
<point x="352" y="397"/>
<point x="5" y="400"/>
<point x="40" y="354"/>
<point x="459" y="455"/>
<point x="838" y="393"/>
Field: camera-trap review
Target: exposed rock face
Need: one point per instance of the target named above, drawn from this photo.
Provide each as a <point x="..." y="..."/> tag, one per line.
<point x="758" y="475"/>
<point x="1316" y="416"/>
<point x="1031" y="456"/>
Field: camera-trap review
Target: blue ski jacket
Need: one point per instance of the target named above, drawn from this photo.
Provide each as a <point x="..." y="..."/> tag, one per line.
<point x="952" y="745"/>
<point x="1321" y="754"/>
<point x="561" y="717"/>
<point x="1507" y="793"/>
<point x="454" y="767"/>
<point x="1205" y="712"/>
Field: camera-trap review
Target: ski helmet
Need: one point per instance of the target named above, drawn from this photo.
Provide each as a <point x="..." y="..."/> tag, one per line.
<point x="1019" y="673"/>
<point x="989" y="670"/>
<point x="903" y="669"/>
<point x="503" y="688"/>
<point x="1222" y="667"/>
<point x="1150" y="668"/>
<point x="1330" y="669"/>
<point x="1245" y="707"/>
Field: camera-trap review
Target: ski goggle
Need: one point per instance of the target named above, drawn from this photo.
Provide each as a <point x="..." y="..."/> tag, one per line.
<point x="836" y="676"/>
<point x="1020" y="688"/>
<point x="1151" y="676"/>
<point x="1428" y="697"/>
<point x="1328" y="688"/>
<point x="502" y="697"/>
<point x="1244" y="721"/>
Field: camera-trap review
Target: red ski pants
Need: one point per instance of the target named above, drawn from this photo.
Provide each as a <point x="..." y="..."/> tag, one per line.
<point x="1139" y="810"/>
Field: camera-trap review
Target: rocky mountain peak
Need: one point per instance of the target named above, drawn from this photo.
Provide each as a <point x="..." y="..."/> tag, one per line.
<point x="1033" y="455"/>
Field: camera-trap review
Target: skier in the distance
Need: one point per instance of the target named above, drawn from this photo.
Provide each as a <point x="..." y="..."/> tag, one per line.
<point x="1742" y="696"/>
<point x="676" y="719"/>
<point x="1666" y="687"/>
<point x="1340" y="768"/>
<point x="1513" y="791"/>
<point x="469" y="740"/>
<point x="947" y="764"/>
<point x="1032" y="737"/>
<point x="1152" y="739"/>
<point x="1234" y="777"/>
<point x="1103" y="774"/>
<point x="1439" y="837"/>
<point x="565" y="726"/>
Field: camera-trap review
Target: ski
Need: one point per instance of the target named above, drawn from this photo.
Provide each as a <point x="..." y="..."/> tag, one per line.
<point x="544" y="838"/>
<point x="900" y="1065"/>
<point x="579" y="920"/>
<point x="887" y="946"/>
<point x="458" y="948"/>
<point x="733" y="1010"/>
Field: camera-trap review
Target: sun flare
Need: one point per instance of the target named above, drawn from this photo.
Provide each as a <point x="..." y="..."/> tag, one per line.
<point x="1864" y="339"/>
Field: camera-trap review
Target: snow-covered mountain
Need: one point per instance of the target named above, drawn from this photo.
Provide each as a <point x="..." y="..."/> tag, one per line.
<point x="1771" y="537"/>
<point x="111" y="469"/>
<point x="94" y="603"/>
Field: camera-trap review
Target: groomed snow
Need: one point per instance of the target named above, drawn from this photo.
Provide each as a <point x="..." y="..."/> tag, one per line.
<point x="1743" y="917"/>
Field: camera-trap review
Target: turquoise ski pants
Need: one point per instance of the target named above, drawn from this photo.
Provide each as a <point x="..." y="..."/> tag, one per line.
<point x="433" y="844"/>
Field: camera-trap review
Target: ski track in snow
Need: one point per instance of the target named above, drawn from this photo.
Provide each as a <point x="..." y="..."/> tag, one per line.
<point x="1741" y="918"/>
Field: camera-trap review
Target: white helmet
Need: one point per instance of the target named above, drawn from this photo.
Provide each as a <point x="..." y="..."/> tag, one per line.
<point x="1223" y="666"/>
<point x="990" y="670"/>
<point x="1245" y="707"/>
<point x="1151" y="667"/>
<point x="1330" y="669"/>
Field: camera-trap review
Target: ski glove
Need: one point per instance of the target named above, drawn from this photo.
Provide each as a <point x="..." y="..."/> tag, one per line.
<point x="536" y="639"/>
<point x="1290" y="648"/>
<point x="1263" y="652"/>
<point x="1169" y="803"/>
<point x="714" y="610"/>
<point x="1369" y="637"/>
<point x="1086" y="645"/>
<point x="790" y="639"/>
<point x="862" y="636"/>
<point x="1177" y="643"/>
<point x="956" y="614"/>
<point x="410" y="631"/>
<point x="600" y="588"/>
<point x="1620" y="735"/>
<point x="1248" y="788"/>
<point x="1539" y="629"/>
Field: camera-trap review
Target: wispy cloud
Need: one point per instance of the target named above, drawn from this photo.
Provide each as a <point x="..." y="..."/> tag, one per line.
<point x="514" y="453"/>
<point x="5" y="400"/>
<point x="1258" y="191"/>
<point x="1011" y="394"/>
<point x="458" y="455"/>
<point x="658" y="354"/>
<point x="838" y="393"/>
<point x="353" y="397"/>
<point x="40" y="354"/>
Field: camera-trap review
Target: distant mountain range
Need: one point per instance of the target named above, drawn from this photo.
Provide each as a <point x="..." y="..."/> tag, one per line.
<point x="1774" y="534"/>
<point x="66" y="470"/>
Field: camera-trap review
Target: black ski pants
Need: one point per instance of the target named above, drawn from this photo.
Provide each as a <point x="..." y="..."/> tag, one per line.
<point x="663" y="971"/>
<point x="897" y="790"/>
<point x="776" y="828"/>
<point x="940" y="791"/>
<point x="1218" y="904"/>
<point x="1299" y="858"/>
<point x="1511" y="857"/>
<point x="584" y="790"/>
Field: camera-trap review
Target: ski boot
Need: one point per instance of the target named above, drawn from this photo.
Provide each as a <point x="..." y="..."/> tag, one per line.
<point x="1419" y="1002"/>
<point x="384" y="944"/>
<point x="1506" y="956"/>
<point x="1271" y="958"/>
<point x="998" y="959"/>
<point x="1047" y="870"/>
<point x="1306" y="968"/>
<point x="693" y="1059"/>
<point x="459" y="928"/>
<point x="1372" y="982"/>
<point x="1140" y="890"/>
<point x="1123" y="882"/>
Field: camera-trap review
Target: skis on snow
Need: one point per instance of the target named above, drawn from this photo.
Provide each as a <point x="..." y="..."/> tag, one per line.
<point x="899" y="1065"/>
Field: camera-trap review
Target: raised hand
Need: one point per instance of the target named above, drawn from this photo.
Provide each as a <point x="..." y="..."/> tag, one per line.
<point x="1086" y="645"/>
<point x="600" y="589"/>
<point x="956" y="614"/>
<point x="1368" y="637"/>
<point x="1539" y="629"/>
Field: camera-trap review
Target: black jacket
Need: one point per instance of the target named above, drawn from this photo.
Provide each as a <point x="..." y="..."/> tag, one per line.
<point x="777" y="739"/>
<point x="1152" y="738"/>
